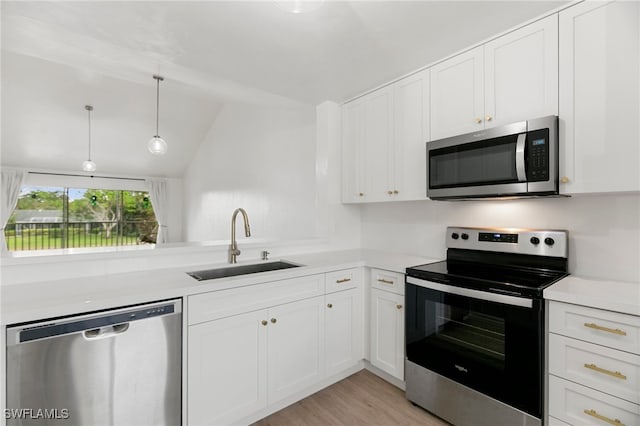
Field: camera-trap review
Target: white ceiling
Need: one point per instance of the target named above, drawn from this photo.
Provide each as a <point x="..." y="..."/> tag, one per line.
<point x="59" y="56"/>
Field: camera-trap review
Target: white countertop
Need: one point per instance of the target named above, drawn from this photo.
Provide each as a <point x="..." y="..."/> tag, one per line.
<point x="610" y="295"/>
<point x="52" y="298"/>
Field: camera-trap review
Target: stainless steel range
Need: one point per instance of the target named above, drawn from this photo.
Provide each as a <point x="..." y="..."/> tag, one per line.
<point x="475" y="325"/>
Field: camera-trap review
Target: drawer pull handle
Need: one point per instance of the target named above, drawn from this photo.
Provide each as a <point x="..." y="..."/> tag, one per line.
<point x="382" y="280"/>
<point x="344" y="280"/>
<point x="594" y="413"/>
<point x="616" y="374"/>
<point x="607" y="329"/>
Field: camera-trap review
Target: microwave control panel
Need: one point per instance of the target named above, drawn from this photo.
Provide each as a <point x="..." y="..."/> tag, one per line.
<point x="538" y="155"/>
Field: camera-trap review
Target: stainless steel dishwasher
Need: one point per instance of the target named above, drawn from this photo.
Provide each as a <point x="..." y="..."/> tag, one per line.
<point x="121" y="367"/>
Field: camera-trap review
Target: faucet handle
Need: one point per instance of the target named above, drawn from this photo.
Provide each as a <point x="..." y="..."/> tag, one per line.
<point x="265" y="255"/>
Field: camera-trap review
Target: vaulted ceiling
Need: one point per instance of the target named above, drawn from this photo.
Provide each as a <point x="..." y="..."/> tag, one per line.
<point x="59" y="56"/>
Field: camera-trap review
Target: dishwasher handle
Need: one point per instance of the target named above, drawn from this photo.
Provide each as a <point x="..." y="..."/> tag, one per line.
<point x="96" y="325"/>
<point x="105" y="332"/>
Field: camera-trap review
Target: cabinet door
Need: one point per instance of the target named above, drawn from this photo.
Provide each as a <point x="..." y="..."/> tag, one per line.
<point x="387" y="332"/>
<point x="295" y="347"/>
<point x="457" y="95"/>
<point x="600" y="97"/>
<point x="227" y="369"/>
<point x="378" y="146"/>
<point x="521" y="74"/>
<point x="344" y="338"/>
<point x="353" y="139"/>
<point x="411" y="124"/>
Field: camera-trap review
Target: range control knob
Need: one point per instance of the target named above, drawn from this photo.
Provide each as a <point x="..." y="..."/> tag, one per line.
<point x="534" y="240"/>
<point x="455" y="236"/>
<point x="549" y="241"/>
<point x="465" y="236"/>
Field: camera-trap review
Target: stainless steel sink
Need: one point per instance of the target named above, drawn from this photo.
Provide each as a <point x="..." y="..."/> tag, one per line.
<point x="231" y="271"/>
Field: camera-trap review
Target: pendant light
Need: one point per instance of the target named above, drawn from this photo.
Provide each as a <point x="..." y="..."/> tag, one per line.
<point x="157" y="145"/>
<point x="88" y="165"/>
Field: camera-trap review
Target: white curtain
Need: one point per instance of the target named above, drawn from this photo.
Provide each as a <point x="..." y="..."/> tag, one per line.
<point x="11" y="181"/>
<point x="160" y="202"/>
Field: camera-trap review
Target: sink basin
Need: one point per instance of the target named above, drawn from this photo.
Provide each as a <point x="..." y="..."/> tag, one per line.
<point x="231" y="271"/>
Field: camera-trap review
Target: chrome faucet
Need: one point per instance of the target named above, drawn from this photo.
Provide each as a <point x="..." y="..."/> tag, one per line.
<point x="233" y="248"/>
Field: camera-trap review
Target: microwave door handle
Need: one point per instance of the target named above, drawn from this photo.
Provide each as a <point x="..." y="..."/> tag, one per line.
<point x="521" y="171"/>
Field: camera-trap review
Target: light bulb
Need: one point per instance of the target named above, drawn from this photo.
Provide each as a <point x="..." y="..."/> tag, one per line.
<point x="157" y="145"/>
<point x="88" y="166"/>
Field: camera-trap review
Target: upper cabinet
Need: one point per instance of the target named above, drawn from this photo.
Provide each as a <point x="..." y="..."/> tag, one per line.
<point x="509" y="79"/>
<point x="600" y="97"/>
<point x="383" y="139"/>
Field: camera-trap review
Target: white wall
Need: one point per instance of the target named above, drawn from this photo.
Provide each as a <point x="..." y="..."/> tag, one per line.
<point x="604" y="230"/>
<point x="261" y="158"/>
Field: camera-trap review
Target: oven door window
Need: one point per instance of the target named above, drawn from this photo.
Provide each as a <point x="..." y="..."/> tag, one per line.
<point x="479" y="163"/>
<point x="491" y="347"/>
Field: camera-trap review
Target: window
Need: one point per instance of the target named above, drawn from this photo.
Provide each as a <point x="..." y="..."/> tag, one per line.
<point x="62" y="217"/>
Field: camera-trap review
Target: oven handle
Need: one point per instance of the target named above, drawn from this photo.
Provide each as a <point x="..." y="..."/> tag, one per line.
<point x="476" y="294"/>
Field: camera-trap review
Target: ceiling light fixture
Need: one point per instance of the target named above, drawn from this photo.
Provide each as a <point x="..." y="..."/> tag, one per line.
<point x="157" y="145"/>
<point x="299" y="6"/>
<point x="88" y="165"/>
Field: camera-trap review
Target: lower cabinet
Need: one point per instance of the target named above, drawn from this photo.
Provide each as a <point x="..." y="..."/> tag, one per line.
<point x="594" y="366"/>
<point x="295" y="341"/>
<point x="344" y="330"/>
<point x="227" y="368"/>
<point x="387" y="332"/>
<point x="240" y="364"/>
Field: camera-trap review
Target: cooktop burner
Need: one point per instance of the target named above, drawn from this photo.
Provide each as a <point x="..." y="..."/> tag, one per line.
<point x="509" y="261"/>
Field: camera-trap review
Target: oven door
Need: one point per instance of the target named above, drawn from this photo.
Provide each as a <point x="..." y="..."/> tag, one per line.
<point x="489" y="342"/>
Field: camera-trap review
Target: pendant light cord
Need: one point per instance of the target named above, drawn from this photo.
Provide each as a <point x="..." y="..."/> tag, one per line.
<point x="89" y="108"/>
<point x="158" y="80"/>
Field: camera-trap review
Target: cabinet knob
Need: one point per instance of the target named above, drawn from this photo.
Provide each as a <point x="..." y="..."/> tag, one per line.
<point x="273" y="320"/>
<point x="264" y="322"/>
<point x="564" y="179"/>
<point x="395" y="191"/>
<point x="390" y="192"/>
<point x="478" y="120"/>
<point x="399" y="306"/>
<point x="329" y="305"/>
<point x="361" y="194"/>
<point x="488" y="118"/>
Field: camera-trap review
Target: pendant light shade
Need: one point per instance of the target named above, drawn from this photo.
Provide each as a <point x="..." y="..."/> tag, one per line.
<point x="88" y="165"/>
<point x="156" y="144"/>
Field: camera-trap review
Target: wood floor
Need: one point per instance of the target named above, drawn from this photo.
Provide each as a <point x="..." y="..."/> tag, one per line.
<point x="359" y="400"/>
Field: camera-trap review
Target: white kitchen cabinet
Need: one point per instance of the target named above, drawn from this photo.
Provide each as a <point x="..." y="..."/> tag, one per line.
<point x="383" y="139"/>
<point x="344" y="330"/>
<point x="295" y="347"/>
<point x="367" y="134"/>
<point x="387" y="332"/>
<point x="411" y="132"/>
<point x="240" y="364"/>
<point x="227" y="369"/>
<point x="594" y="366"/>
<point x="457" y="95"/>
<point x="511" y="78"/>
<point x="600" y="97"/>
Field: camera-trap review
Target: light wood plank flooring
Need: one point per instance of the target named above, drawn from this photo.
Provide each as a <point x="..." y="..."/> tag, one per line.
<point x="359" y="400"/>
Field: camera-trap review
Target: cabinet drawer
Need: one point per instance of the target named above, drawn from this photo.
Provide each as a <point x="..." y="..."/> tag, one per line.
<point x="579" y="405"/>
<point x="387" y="280"/>
<point x="608" y="370"/>
<point x="342" y="280"/>
<point x="613" y="329"/>
<point x="224" y="303"/>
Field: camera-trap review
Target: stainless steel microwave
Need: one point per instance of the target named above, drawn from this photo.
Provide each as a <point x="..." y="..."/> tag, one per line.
<point x="516" y="160"/>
